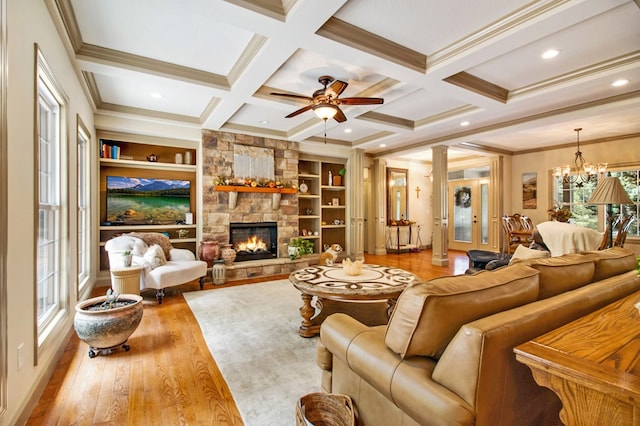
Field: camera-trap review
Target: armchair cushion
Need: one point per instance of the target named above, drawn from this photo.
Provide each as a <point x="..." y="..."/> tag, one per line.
<point x="150" y="238"/>
<point x="428" y="314"/>
<point x="155" y="256"/>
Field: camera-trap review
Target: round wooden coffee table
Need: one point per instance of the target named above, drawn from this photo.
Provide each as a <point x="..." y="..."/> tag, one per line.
<point x="368" y="297"/>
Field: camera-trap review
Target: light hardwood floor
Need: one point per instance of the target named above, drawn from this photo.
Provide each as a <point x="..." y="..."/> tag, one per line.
<point x="169" y="377"/>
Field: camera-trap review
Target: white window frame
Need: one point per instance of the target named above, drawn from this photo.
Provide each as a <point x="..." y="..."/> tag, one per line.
<point x="83" y="205"/>
<point x="52" y="241"/>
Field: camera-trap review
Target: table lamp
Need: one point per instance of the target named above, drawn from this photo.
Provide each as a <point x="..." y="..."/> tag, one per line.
<point x="609" y="191"/>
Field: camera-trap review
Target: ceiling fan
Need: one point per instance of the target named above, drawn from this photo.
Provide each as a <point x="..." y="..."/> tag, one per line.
<point x="325" y="102"/>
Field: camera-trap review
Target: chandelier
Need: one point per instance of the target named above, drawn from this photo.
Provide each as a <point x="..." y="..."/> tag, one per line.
<point x="583" y="171"/>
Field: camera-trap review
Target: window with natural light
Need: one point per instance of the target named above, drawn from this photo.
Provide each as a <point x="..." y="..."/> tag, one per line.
<point x="593" y="216"/>
<point x="52" y="279"/>
<point x="84" y="258"/>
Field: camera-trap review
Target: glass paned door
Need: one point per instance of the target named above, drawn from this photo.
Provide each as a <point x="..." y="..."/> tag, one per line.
<point x="468" y="214"/>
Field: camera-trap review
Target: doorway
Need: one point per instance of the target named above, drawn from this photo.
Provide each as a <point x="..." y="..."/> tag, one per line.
<point x="469" y="214"/>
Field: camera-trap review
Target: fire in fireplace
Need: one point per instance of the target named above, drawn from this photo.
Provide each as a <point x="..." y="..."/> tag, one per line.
<point x="253" y="241"/>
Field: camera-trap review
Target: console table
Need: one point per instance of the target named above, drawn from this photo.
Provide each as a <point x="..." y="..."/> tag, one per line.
<point x="592" y="364"/>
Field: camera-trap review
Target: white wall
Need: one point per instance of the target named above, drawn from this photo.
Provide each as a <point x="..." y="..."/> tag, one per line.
<point x="29" y="22"/>
<point x="617" y="152"/>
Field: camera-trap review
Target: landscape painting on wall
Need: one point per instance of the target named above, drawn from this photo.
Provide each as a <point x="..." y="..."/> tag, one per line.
<point x="529" y="190"/>
<point x="135" y="201"/>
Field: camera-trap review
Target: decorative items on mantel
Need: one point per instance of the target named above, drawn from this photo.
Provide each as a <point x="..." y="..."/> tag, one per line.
<point x="234" y="190"/>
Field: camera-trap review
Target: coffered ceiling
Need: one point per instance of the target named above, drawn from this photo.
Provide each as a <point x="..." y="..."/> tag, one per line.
<point x="213" y="64"/>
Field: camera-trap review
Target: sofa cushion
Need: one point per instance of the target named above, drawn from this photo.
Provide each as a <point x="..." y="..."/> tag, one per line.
<point x="155" y="256"/>
<point x="151" y="238"/>
<point x="563" y="273"/>
<point x="428" y="314"/>
<point x="523" y="252"/>
<point x="613" y="261"/>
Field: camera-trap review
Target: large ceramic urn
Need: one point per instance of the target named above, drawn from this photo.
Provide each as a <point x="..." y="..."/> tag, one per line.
<point x="105" y="327"/>
<point x="209" y="252"/>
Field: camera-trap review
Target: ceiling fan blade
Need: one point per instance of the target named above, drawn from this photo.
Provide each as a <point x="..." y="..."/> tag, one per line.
<point x="336" y="88"/>
<point x="288" y="95"/>
<point x="340" y="117"/>
<point x="300" y="111"/>
<point x="360" y="101"/>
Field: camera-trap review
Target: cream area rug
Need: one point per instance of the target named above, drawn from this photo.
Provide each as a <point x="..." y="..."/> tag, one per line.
<point x="252" y="333"/>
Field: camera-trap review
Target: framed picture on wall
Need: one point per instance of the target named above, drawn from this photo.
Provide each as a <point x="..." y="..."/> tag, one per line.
<point x="529" y="190"/>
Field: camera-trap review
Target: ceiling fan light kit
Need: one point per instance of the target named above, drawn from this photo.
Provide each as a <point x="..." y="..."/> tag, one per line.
<point x="325" y="102"/>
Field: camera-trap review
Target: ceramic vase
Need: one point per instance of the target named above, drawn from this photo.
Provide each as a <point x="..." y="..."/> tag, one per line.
<point x="228" y="254"/>
<point x="108" y="328"/>
<point x="219" y="272"/>
<point x="209" y="252"/>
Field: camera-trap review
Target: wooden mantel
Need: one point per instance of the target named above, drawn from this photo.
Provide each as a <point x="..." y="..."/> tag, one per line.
<point x="233" y="193"/>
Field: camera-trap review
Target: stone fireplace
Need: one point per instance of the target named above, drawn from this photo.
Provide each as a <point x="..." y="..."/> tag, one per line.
<point x="220" y="209"/>
<point x="254" y="241"/>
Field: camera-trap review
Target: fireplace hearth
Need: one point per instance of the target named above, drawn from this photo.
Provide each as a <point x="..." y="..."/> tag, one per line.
<point x="254" y="241"/>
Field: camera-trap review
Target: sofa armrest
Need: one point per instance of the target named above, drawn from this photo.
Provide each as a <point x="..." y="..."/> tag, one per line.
<point x="178" y="255"/>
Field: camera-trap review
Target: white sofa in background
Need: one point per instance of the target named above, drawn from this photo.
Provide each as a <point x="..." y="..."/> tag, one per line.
<point x="181" y="265"/>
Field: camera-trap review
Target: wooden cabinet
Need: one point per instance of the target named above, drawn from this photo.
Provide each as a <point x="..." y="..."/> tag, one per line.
<point x="322" y="208"/>
<point x="175" y="161"/>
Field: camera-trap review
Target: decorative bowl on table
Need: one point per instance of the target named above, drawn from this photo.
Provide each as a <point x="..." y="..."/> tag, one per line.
<point x="352" y="268"/>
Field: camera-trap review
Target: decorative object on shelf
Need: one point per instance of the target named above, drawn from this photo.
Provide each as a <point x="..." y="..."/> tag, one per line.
<point x="219" y="272"/>
<point x="209" y="252"/>
<point x="106" y="322"/>
<point x="352" y="268"/>
<point x="330" y="182"/>
<point x="188" y="218"/>
<point x="178" y="158"/>
<point x="560" y="214"/>
<point x="337" y="180"/>
<point x="228" y="254"/>
<point x="187" y="157"/>
<point x="152" y="158"/>
<point x="308" y="211"/>
<point x="609" y="191"/>
<point x="127" y="257"/>
<point x="335" y="202"/>
<point x="583" y="172"/>
<point x="303" y="188"/>
<point x="183" y="233"/>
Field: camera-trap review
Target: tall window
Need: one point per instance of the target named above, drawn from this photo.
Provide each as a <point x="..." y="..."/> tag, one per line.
<point x="52" y="285"/>
<point x="84" y="258"/>
<point x="593" y="216"/>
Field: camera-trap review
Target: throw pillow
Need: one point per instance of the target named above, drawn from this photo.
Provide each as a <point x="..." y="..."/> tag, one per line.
<point x="155" y="256"/>
<point x="523" y="252"/>
<point x="428" y="314"/>
<point x="151" y="238"/>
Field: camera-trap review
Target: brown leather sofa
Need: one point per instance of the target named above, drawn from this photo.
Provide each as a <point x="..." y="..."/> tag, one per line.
<point x="446" y="356"/>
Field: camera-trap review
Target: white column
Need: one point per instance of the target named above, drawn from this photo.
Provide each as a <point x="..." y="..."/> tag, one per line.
<point x="379" y="188"/>
<point x="440" y="207"/>
<point x="356" y="205"/>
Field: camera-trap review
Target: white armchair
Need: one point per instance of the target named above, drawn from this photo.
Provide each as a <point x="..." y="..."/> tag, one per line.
<point x="180" y="267"/>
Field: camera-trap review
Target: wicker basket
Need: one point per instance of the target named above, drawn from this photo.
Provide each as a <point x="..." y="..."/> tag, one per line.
<point x="322" y="409"/>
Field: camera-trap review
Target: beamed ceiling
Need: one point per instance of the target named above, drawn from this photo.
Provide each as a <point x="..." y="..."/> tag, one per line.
<point x="436" y="64"/>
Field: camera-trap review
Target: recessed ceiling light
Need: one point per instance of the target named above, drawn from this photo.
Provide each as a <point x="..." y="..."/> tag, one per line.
<point x="157" y="95"/>
<point x="464" y="123"/>
<point x="264" y="121"/>
<point x="551" y="53"/>
<point x="347" y="130"/>
<point x="619" y="83"/>
<point x="383" y="145"/>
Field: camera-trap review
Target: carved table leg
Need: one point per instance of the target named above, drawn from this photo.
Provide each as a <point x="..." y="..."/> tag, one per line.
<point x="307" y="328"/>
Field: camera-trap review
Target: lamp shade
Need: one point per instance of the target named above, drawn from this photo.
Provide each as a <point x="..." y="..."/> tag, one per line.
<point x="609" y="191"/>
<point x="325" y="111"/>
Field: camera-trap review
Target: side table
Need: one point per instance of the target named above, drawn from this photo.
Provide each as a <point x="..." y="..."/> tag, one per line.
<point x="126" y="280"/>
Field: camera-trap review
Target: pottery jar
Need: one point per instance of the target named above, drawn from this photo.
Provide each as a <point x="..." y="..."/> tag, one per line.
<point x="228" y="254"/>
<point x="209" y="252"/>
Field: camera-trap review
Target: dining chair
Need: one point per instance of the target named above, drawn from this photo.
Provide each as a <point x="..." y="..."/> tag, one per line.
<point x="623" y="228"/>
